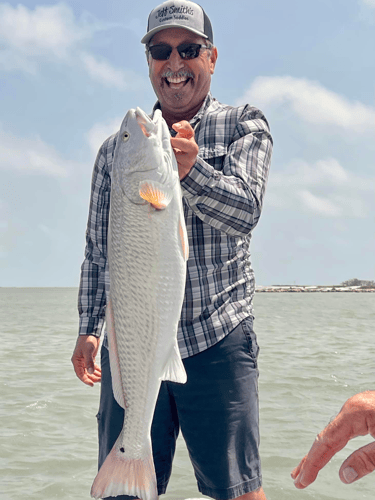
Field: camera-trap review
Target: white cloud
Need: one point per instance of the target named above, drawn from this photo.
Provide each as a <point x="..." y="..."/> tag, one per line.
<point x="327" y="172"/>
<point x="46" y="30"/>
<point x="368" y="3"/>
<point x="319" y="204"/>
<point x="100" y="132"/>
<point x="103" y="72"/>
<point x="53" y="34"/>
<point x="311" y="102"/>
<point x="31" y="155"/>
<point x="324" y="188"/>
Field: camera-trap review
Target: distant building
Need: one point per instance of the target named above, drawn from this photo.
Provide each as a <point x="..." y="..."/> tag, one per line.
<point x="357" y="282"/>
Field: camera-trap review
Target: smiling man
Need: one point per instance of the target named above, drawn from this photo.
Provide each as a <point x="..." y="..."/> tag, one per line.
<point x="181" y="84"/>
<point x="223" y="154"/>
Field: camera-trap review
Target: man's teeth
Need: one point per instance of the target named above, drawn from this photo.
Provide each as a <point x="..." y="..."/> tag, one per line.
<point x="179" y="79"/>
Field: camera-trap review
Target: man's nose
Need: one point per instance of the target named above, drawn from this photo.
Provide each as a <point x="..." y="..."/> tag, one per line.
<point x="175" y="61"/>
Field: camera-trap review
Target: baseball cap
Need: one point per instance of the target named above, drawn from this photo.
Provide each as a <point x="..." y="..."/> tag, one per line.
<point x="179" y="14"/>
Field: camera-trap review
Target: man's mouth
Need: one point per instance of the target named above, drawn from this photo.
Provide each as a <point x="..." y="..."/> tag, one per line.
<point x="177" y="81"/>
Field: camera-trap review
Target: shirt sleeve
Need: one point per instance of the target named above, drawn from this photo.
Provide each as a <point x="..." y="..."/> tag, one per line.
<point x="231" y="200"/>
<point x="92" y="294"/>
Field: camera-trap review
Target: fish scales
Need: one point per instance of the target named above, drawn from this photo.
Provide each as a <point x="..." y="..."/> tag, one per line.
<point x="135" y="309"/>
<point x="147" y="254"/>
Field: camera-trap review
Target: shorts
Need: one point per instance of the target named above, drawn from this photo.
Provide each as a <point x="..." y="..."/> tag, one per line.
<point x="217" y="411"/>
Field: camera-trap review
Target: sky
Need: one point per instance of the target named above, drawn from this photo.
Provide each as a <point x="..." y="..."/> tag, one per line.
<point x="69" y="72"/>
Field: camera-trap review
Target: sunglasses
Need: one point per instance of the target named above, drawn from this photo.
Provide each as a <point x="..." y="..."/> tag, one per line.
<point x="186" y="51"/>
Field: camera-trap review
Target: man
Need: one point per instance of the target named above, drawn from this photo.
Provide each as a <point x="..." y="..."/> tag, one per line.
<point x="356" y="418"/>
<point x="223" y="156"/>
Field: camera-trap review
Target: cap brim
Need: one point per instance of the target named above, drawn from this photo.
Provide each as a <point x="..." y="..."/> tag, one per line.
<point x="152" y="32"/>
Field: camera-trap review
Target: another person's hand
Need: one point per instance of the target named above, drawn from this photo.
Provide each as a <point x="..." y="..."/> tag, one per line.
<point x="356" y="418"/>
<point x="83" y="359"/>
<point x="184" y="147"/>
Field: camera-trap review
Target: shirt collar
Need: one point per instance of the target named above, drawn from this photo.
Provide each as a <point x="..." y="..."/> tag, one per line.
<point x="197" y="118"/>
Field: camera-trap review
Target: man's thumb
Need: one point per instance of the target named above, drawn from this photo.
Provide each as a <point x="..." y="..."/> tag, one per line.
<point x="358" y="464"/>
<point x="89" y="358"/>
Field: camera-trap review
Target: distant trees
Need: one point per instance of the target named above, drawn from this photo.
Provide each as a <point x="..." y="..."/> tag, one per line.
<point x="357" y="282"/>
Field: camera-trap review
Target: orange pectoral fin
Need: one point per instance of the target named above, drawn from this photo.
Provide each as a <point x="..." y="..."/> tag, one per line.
<point x="156" y="194"/>
<point x="153" y="196"/>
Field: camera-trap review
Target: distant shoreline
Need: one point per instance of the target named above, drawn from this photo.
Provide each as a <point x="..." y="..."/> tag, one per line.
<point x="313" y="289"/>
<point x="258" y="289"/>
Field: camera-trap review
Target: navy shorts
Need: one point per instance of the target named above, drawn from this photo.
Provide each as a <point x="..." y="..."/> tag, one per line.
<point x="217" y="411"/>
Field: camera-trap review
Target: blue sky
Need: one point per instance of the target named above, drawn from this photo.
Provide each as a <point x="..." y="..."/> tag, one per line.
<point x="69" y="72"/>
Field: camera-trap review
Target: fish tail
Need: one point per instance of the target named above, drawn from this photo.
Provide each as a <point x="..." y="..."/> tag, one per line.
<point x="120" y="475"/>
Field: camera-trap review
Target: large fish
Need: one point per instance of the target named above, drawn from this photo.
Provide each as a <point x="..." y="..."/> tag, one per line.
<point x="147" y="254"/>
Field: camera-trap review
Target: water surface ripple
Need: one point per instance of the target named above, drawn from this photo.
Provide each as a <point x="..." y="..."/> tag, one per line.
<point x="316" y="351"/>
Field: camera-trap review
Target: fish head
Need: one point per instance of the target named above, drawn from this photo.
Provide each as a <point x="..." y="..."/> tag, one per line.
<point x="143" y="154"/>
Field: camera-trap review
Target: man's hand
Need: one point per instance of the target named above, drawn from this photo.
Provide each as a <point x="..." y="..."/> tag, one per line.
<point x="83" y="359"/>
<point x="184" y="147"/>
<point x="356" y="418"/>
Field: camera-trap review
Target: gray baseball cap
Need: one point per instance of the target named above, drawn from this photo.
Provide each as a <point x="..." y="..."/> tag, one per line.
<point x="179" y="14"/>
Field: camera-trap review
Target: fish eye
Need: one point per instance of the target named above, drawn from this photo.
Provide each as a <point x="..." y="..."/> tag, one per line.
<point x="126" y="136"/>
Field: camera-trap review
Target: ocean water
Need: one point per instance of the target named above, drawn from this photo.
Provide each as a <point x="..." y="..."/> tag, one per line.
<point x="316" y="351"/>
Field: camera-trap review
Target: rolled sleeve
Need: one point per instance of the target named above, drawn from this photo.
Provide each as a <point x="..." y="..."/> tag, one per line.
<point x="231" y="199"/>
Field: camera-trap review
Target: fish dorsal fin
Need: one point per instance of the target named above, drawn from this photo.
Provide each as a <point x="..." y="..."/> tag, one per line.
<point x="159" y="195"/>
<point x="174" y="370"/>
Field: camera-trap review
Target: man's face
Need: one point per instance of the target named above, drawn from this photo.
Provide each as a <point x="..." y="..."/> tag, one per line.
<point x="181" y="85"/>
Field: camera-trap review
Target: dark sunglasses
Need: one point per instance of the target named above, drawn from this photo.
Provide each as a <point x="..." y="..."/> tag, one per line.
<point x="186" y="51"/>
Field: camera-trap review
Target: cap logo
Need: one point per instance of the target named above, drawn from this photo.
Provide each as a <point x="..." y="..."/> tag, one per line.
<point x="179" y="14"/>
<point x="173" y="12"/>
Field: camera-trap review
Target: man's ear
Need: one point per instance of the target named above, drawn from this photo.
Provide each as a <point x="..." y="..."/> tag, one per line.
<point x="213" y="59"/>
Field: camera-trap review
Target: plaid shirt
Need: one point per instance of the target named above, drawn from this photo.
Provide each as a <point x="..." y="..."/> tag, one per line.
<point x="222" y="199"/>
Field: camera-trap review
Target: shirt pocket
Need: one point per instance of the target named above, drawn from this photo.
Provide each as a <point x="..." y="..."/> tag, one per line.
<point x="214" y="156"/>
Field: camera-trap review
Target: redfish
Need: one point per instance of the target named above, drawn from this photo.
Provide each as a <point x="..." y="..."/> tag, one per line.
<point x="147" y="255"/>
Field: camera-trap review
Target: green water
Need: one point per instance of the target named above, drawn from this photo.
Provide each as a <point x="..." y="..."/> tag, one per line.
<point x="316" y="351"/>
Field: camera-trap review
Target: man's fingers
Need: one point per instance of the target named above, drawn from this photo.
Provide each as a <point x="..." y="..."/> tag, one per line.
<point x="356" y="418"/>
<point x="331" y="440"/>
<point x="81" y="372"/>
<point x="86" y="377"/>
<point x="183" y="129"/>
<point x="306" y="471"/>
<point x="88" y="355"/>
<point x="184" y="145"/>
<point x="83" y="360"/>
<point x="358" y="464"/>
<point x="295" y="472"/>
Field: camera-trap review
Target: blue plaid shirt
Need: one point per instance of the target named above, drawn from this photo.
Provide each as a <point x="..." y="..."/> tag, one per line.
<point x="222" y="199"/>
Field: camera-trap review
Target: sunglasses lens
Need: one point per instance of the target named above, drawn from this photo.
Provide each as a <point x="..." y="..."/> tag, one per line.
<point x="160" y="52"/>
<point x="188" y="50"/>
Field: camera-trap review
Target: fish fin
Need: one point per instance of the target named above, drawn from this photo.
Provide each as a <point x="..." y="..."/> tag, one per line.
<point x="159" y="195"/>
<point x="118" y="389"/>
<point x="120" y="475"/>
<point x="183" y="239"/>
<point x="174" y="369"/>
